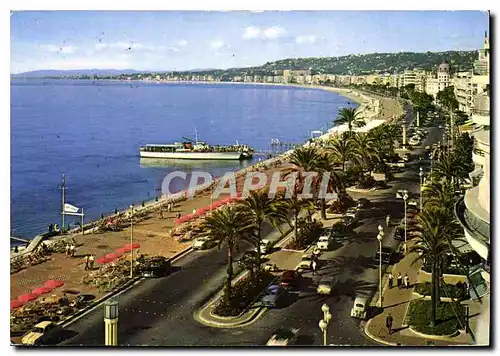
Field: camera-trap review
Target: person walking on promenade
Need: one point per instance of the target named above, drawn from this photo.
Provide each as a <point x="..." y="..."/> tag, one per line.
<point x="400" y="280"/>
<point x="67" y="250"/>
<point x="314" y="266"/>
<point x="391" y="280"/>
<point x="72" y="249"/>
<point x="178" y="215"/>
<point x="91" y="262"/>
<point x="388" y="323"/>
<point x="406" y="281"/>
<point x="86" y="262"/>
<point x="388" y="220"/>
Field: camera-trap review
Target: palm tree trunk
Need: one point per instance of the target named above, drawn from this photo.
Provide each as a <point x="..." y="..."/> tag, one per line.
<point x="258" y="248"/>
<point x="296" y="224"/>
<point x="433" y="295"/>
<point x="323" y="208"/>
<point x="229" y="288"/>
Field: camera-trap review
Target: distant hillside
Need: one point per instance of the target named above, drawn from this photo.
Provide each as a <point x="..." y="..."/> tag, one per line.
<point x="76" y="72"/>
<point x="377" y="62"/>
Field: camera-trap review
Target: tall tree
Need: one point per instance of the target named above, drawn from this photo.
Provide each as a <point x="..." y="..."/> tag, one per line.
<point x="351" y="117"/>
<point x="342" y="148"/>
<point x="258" y="208"/>
<point x="227" y="227"/>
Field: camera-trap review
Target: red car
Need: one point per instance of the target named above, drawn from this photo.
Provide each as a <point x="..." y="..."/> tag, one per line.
<point x="290" y="278"/>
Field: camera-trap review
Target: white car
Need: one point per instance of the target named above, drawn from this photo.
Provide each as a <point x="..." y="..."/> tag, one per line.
<point x="359" y="308"/>
<point x="415" y="141"/>
<point x="265" y="247"/>
<point x="202" y="243"/>
<point x="324" y="242"/>
<point x="305" y="261"/>
<point x="325" y="285"/>
<point x="283" y="337"/>
<point x="42" y="333"/>
<point x="352" y="212"/>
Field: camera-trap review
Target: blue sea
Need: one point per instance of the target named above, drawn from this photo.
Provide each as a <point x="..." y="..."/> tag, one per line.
<point x="92" y="131"/>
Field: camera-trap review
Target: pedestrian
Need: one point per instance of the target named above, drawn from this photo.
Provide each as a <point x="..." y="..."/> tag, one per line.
<point x="91" y="262"/>
<point x="388" y="220"/>
<point x="86" y="262"/>
<point x="400" y="280"/>
<point x="406" y="281"/>
<point x="314" y="265"/>
<point x="72" y="249"/>
<point x="178" y="215"/>
<point x="169" y="207"/>
<point x="67" y="249"/>
<point x="194" y="211"/>
<point x="391" y="280"/>
<point x="388" y="323"/>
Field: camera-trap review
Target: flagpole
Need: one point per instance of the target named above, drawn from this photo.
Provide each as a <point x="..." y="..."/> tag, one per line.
<point x="63" y="188"/>
<point x="83" y="233"/>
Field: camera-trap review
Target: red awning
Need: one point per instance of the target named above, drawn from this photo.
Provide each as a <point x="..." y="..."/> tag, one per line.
<point x="122" y="250"/>
<point x="53" y="283"/>
<point x="102" y="260"/>
<point x="111" y="256"/>
<point x="15" y="304"/>
<point x="41" y="290"/>
<point x="26" y="297"/>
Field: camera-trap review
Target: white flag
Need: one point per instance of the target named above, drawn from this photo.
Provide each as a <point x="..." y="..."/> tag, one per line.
<point x="68" y="208"/>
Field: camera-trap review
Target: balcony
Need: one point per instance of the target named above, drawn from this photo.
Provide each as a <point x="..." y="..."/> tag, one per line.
<point x="477" y="231"/>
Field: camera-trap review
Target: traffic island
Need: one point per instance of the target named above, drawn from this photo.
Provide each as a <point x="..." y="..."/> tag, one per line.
<point x="244" y="308"/>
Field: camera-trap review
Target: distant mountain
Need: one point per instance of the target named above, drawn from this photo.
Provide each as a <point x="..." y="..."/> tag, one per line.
<point x="76" y="72"/>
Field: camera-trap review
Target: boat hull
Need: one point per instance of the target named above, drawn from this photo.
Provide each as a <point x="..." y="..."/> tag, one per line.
<point x="236" y="156"/>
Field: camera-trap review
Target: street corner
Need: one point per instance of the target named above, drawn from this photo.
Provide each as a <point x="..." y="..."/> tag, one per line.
<point x="373" y="334"/>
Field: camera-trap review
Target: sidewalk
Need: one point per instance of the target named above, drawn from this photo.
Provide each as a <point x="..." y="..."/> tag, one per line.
<point x="396" y="301"/>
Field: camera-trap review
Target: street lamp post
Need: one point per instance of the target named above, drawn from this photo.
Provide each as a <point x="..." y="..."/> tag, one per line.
<point x="421" y="175"/>
<point x="323" y="323"/>
<point x="111" y="323"/>
<point x="132" y="241"/>
<point x="405" y="198"/>
<point x="379" y="238"/>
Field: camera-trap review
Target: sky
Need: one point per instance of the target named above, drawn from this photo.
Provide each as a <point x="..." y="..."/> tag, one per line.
<point x="176" y="40"/>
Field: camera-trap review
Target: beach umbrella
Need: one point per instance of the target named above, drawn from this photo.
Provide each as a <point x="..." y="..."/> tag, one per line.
<point x="102" y="260"/>
<point x="15" y="304"/>
<point x="122" y="250"/>
<point x="53" y="283"/>
<point x="41" y="290"/>
<point x="26" y="297"/>
<point x="132" y="246"/>
<point x="111" y="256"/>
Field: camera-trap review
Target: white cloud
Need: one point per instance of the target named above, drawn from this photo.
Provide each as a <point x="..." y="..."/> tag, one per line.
<point x="269" y="33"/>
<point x="60" y="49"/>
<point x="305" y="39"/>
<point x="217" y="44"/>
<point x="274" y="32"/>
<point x="182" y="43"/>
<point x="251" y="32"/>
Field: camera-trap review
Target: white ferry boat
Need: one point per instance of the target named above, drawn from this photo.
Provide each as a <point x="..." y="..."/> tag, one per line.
<point x="197" y="150"/>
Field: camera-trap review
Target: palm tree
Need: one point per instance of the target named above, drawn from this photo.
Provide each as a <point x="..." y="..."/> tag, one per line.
<point x="296" y="205"/>
<point x="452" y="168"/>
<point x="349" y="116"/>
<point x="341" y="148"/>
<point x="227" y="226"/>
<point x="432" y="246"/>
<point x="327" y="165"/>
<point x="258" y="208"/>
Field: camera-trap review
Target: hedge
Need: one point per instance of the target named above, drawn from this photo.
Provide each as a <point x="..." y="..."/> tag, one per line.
<point x="456" y="291"/>
<point x="419" y="317"/>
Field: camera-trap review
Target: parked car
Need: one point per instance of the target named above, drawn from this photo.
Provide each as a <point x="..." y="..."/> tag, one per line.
<point x="203" y="243"/>
<point x="324" y="242"/>
<point x="359" y="308"/>
<point x="283" y="337"/>
<point x="156" y="267"/>
<point x="412" y="202"/>
<point x="43" y="333"/>
<point x="265" y="247"/>
<point x="348" y="220"/>
<point x="325" y="285"/>
<point x="305" y="261"/>
<point x="386" y="254"/>
<point x="272" y="295"/>
<point x="363" y="203"/>
<point x="354" y="212"/>
<point x="290" y="278"/>
<point x="399" y="233"/>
